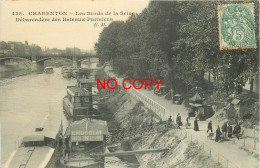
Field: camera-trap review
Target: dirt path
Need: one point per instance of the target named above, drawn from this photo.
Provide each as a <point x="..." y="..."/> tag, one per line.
<point x="227" y="153"/>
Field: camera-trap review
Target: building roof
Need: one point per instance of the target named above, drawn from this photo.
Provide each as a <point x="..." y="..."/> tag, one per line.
<point x="33" y="138"/>
<point x="196" y="97"/>
<point x="84" y="80"/>
<point x="88" y="127"/>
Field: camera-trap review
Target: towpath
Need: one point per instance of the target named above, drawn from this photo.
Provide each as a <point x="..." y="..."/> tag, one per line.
<point x="229" y="153"/>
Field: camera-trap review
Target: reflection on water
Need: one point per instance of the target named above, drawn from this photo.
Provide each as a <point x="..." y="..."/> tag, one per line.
<point x="25" y="102"/>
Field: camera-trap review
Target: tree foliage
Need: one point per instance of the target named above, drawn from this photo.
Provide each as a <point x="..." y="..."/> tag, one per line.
<point x="177" y="41"/>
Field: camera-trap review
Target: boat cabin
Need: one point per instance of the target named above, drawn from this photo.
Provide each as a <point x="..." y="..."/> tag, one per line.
<point x="86" y="83"/>
<point x="48" y="69"/>
<point x="78" y="102"/>
<point x="38" y="140"/>
<point x="87" y="137"/>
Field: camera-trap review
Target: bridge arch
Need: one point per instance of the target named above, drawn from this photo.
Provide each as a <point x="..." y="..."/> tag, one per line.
<point x="16" y="57"/>
<point x="86" y="58"/>
<point x="47" y="58"/>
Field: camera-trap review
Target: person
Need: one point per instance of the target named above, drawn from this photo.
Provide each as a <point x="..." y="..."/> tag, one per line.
<point x="60" y="141"/>
<point x="69" y="149"/>
<point x="209" y="126"/>
<point x="67" y="141"/>
<point x="151" y="124"/>
<point x="178" y="120"/>
<point x="196" y="125"/>
<point x="67" y="146"/>
<point x="229" y="130"/>
<point x="224" y="129"/>
<point x="237" y="130"/>
<point x="218" y="134"/>
<point x="170" y="119"/>
<point x="187" y="122"/>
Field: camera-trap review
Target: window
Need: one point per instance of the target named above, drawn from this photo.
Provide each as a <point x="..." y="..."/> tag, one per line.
<point x="77" y="100"/>
<point x="86" y="99"/>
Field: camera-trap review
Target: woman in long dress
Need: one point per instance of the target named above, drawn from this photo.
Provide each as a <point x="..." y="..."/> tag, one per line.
<point x="218" y="134"/>
<point x="196" y="125"/>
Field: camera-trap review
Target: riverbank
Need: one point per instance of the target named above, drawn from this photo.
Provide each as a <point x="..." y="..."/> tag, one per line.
<point x="129" y="113"/>
<point x="222" y="152"/>
<point x="11" y="71"/>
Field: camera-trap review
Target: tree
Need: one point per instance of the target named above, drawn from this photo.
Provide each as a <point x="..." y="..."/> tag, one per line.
<point x="3" y="46"/>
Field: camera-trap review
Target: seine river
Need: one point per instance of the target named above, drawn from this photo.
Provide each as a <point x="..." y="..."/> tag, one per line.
<point x="26" y="102"/>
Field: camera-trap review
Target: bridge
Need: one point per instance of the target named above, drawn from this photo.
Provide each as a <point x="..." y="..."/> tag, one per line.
<point x="38" y="60"/>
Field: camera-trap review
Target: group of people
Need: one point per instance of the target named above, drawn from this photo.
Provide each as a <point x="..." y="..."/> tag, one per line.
<point x="227" y="129"/>
<point x="180" y="123"/>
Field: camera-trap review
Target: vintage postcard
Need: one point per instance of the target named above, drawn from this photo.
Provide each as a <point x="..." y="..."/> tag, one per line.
<point x="129" y="83"/>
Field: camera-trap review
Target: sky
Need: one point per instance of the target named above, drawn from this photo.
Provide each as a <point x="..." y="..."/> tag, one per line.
<point x="53" y="34"/>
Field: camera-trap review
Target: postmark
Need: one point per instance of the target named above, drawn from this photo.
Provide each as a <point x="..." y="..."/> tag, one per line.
<point x="236" y="26"/>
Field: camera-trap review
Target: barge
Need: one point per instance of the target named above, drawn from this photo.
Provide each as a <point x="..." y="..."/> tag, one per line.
<point x="77" y="104"/>
<point x="48" y="70"/>
<point x="38" y="150"/>
<point x="86" y="138"/>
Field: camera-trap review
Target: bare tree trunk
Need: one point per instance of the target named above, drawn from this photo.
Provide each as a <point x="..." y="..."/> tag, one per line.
<point x="251" y="85"/>
<point x="209" y="76"/>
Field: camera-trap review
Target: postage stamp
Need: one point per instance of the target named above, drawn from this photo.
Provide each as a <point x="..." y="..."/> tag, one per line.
<point x="236" y="26"/>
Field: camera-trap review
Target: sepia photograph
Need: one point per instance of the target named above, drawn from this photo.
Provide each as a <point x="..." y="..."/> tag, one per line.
<point x="129" y="84"/>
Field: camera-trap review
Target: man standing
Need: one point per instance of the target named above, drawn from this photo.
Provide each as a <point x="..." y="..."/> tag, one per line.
<point x="209" y="126"/>
<point x="67" y="146"/>
<point x="224" y="129"/>
<point x="187" y="122"/>
<point x="237" y="130"/>
<point x="178" y="120"/>
<point x="229" y="130"/>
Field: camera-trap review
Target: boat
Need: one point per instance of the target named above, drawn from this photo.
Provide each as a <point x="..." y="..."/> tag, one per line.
<point x="84" y="73"/>
<point x="87" y="137"/>
<point x="38" y="150"/>
<point x="66" y="72"/>
<point x="48" y="70"/>
<point x="75" y="71"/>
<point x="77" y="104"/>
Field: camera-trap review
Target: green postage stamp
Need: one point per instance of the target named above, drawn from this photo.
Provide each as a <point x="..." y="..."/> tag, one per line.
<point x="236" y="26"/>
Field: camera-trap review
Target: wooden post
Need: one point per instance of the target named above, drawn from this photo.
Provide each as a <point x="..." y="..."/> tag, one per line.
<point x="255" y="144"/>
<point x="227" y="163"/>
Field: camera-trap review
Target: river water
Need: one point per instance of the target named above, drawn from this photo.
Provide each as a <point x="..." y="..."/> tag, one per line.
<point x="26" y="102"/>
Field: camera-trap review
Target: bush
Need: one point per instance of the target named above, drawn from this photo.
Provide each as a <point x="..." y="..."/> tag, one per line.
<point x="231" y="115"/>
